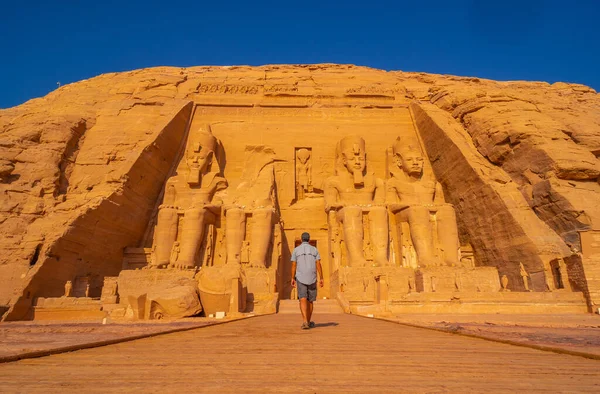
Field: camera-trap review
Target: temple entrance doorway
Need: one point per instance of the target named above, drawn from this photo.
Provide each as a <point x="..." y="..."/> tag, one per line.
<point x="298" y="242"/>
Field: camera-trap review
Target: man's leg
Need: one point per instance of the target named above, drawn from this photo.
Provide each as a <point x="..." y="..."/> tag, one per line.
<point x="304" y="308"/>
<point x="312" y="297"/>
<point x="309" y="311"/>
<point x="303" y="298"/>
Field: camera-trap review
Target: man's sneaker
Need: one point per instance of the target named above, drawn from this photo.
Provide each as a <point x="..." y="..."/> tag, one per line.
<point x="311" y="324"/>
<point x="305" y="326"/>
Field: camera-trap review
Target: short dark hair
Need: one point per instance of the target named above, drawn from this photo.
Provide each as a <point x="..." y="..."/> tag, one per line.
<point x="305" y="237"/>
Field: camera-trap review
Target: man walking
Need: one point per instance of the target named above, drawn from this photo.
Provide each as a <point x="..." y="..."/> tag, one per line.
<point x="306" y="261"/>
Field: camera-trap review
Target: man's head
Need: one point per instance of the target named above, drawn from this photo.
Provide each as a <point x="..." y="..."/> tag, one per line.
<point x="305" y="237"/>
<point x="408" y="158"/>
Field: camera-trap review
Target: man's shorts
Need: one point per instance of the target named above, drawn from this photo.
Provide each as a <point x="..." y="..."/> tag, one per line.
<point x="307" y="291"/>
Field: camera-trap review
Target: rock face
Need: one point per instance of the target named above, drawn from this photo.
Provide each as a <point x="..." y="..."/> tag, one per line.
<point x="83" y="170"/>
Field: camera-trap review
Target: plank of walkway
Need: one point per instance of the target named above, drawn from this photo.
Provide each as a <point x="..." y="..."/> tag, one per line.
<point x="342" y="354"/>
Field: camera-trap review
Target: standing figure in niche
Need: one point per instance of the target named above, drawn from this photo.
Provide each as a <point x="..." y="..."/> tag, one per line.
<point x="254" y="196"/>
<point x="524" y="276"/>
<point x="303" y="173"/>
<point x="352" y="191"/>
<point x="415" y="198"/>
<point x="190" y="192"/>
<point x="68" y="288"/>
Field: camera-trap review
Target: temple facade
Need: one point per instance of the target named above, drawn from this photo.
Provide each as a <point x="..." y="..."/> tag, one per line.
<point x="406" y="212"/>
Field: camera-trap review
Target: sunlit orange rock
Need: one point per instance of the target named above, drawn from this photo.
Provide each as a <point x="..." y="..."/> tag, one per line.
<point x="117" y="162"/>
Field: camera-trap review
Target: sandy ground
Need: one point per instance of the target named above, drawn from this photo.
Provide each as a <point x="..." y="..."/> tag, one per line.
<point x="570" y="333"/>
<point x="575" y="333"/>
<point x="19" y="338"/>
<point x="343" y="353"/>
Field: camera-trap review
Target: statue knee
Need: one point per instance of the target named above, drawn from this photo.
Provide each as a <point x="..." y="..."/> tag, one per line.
<point x="262" y="213"/>
<point x="446" y="212"/>
<point x="419" y="213"/>
<point x="194" y="214"/>
<point x="352" y="212"/>
<point x="378" y="213"/>
<point x="234" y="213"/>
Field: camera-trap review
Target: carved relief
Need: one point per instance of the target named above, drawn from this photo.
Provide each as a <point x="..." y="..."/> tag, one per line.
<point x="303" y="172"/>
<point x="280" y="88"/>
<point x="208" y="88"/>
<point x="369" y="91"/>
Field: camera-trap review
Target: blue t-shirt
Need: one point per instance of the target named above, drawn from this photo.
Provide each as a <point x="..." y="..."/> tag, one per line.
<point x="306" y="256"/>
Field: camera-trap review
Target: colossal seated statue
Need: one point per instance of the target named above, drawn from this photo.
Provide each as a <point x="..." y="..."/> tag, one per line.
<point x="188" y="197"/>
<point x="255" y="198"/>
<point x="350" y="193"/>
<point x="417" y="199"/>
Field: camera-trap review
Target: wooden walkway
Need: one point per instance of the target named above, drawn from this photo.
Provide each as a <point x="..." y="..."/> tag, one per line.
<point x="271" y="354"/>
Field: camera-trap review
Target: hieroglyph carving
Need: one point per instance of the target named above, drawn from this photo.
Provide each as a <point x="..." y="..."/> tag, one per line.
<point x="227" y="89"/>
<point x="417" y="198"/>
<point x="351" y="192"/>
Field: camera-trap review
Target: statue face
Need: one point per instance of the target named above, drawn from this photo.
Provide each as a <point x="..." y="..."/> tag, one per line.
<point x="200" y="160"/>
<point x="411" y="162"/>
<point x="355" y="160"/>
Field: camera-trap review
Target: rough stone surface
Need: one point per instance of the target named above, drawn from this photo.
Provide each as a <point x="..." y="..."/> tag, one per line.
<point x="82" y="170"/>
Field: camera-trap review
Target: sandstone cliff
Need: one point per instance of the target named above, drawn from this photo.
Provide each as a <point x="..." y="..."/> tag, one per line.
<point x="82" y="169"/>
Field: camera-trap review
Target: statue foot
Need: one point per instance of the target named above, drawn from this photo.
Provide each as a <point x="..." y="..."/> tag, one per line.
<point x="358" y="263"/>
<point x="381" y="262"/>
<point x="428" y="263"/>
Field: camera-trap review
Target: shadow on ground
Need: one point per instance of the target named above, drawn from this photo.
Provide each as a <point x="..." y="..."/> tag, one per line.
<point x="330" y="324"/>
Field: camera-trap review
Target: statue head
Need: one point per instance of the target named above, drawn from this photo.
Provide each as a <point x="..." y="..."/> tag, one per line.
<point x="408" y="157"/>
<point x="303" y="155"/>
<point x="200" y="154"/>
<point x="353" y="156"/>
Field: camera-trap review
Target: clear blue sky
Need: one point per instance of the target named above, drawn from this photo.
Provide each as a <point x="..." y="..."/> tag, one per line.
<point x="45" y="42"/>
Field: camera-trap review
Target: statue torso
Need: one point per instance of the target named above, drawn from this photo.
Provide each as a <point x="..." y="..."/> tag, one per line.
<point x="349" y="193"/>
<point x="421" y="192"/>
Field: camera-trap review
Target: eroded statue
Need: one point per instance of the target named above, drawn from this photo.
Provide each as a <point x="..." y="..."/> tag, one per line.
<point x="255" y="198"/>
<point x="418" y="199"/>
<point x="189" y="198"/>
<point x="352" y="193"/>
